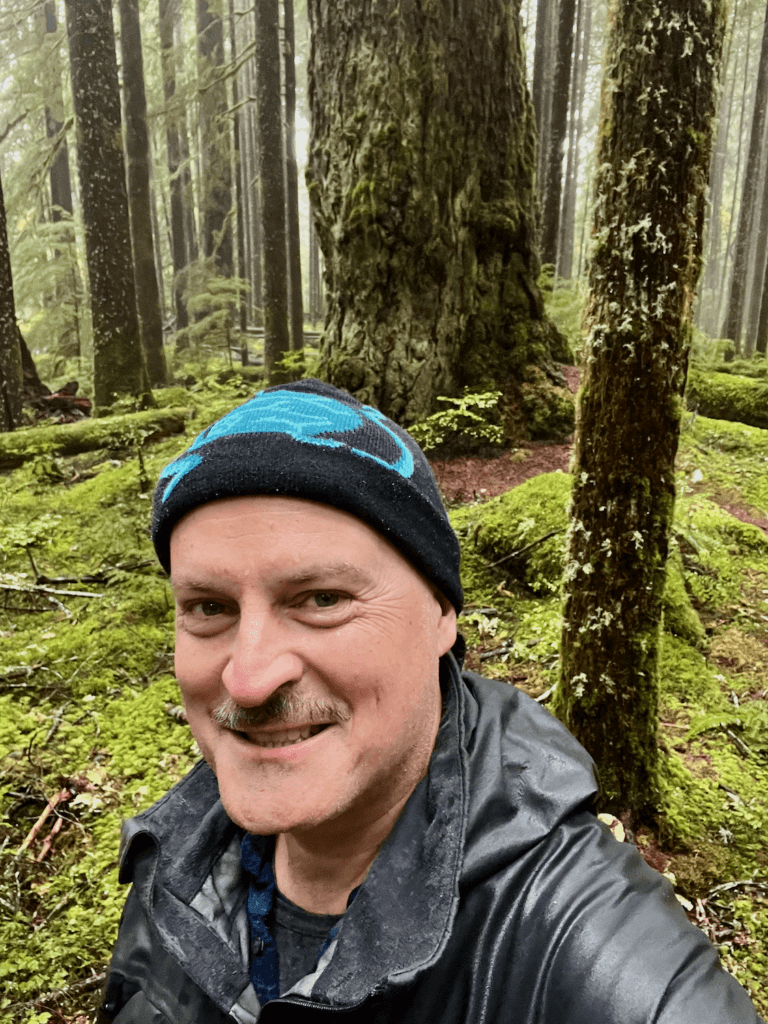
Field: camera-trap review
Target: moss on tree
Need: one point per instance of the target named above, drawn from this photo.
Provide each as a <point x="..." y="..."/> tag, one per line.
<point x="421" y="177"/>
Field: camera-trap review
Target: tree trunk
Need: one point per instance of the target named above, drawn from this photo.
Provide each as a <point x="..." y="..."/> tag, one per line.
<point x="254" y="204"/>
<point x="543" y="65"/>
<point x="567" y="228"/>
<point x="119" y="366"/>
<point x="553" y="190"/>
<point x="216" y="149"/>
<point x="10" y="354"/>
<point x="139" y="194"/>
<point x="735" y="314"/>
<point x="239" y="189"/>
<point x="422" y="180"/>
<point x="292" y="184"/>
<point x="180" y="255"/>
<point x="61" y="184"/>
<point x="276" y="334"/>
<point x="315" y="303"/>
<point x="642" y="280"/>
<point x="707" y="314"/>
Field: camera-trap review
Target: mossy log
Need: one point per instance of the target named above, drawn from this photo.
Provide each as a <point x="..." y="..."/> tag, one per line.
<point x="724" y="396"/>
<point x="65" y="439"/>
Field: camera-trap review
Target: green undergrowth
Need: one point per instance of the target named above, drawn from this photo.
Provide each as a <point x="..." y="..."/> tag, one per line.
<point x="88" y="702"/>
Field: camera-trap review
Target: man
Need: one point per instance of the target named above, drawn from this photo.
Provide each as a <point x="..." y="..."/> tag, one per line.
<point x="373" y="835"/>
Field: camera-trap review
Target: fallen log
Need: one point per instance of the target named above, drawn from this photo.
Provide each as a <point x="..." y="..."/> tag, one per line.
<point x="724" y="396"/>
<point x="112" y="432"/>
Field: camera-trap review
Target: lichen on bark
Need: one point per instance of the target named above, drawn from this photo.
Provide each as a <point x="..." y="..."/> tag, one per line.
<point x="656" y="124"/>
<point x="421" y="176"/>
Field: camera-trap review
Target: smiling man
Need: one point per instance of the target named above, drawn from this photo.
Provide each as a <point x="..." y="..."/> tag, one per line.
<point x="373" y="835"/>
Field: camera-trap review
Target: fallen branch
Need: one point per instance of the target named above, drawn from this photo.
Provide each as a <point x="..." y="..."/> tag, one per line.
<point x="522" y="551"/>
<point x="33" y="588"/>
<point x="79" y="988"/>
<point x="52" y="804"/>
<point x="97" y="577"/>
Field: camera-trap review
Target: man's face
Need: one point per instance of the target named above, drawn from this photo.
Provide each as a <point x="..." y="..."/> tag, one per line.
<point x="307" y="652"/>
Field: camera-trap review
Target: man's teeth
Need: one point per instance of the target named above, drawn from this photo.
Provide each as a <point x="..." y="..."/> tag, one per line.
<point x="285" y="738"/>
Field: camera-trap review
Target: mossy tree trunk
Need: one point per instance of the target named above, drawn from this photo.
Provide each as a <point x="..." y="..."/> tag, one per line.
<point x="653" y="159"/>
<point x="216" y="147"/>
<point x="10" y="353"/>
<point x="421" y="168"/>
<point x="119" y="366"/>
<point x="139" y="194"/>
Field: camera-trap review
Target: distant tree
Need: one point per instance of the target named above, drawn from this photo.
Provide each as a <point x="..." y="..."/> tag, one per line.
<point x="168" y="12"/>
<point x="558" y="129"/>
<point x="544" y="60"/>
<point x="653" y="159"/>
<point x="10" y="353"/>
<point x="421" y="176"/>
<point x="216" y="148"/>
<point x="292" y="183"/>
<point x="61" y="185"/>
<point x="567" y="226"/>
<point x="239" y="175"/>
<point x="119" y="366"/>
<point x="271" y="175"/>
<point x="734" y="317"/>
<point x="139" y="193"/>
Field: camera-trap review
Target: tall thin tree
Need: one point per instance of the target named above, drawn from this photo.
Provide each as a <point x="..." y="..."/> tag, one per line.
<point x="653" y="161"/>
<point x="119" y="365"/>
<point x="270" y="134"/>
<point x="732" y="325"/>
<point x="216" y="149"/>
<point x="292" y="182"/>
<point x="10" y="353"/>
<point x="139" y="192"/>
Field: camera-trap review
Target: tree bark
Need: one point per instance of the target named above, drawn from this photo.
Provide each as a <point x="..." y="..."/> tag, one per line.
<point x="10" y="354"/>
<point x="292" y="183"/>
<point x="254" y="204"/>
<point x="180" y="255"/>
<point x="239" y="187"/>
<point x="553" y="189"/>
<point x="732" y="325"/>
<point x="139" y="193"/>
<point x="653" y="160"/>
<point x="216" y="148"/>
<point x="61" y="184"/>
<point x="543" y="67"/>
<point x="275" y="259"/>
<point x="567" y="226"/>
<point x="119" y="366"/>
<point x="421" y="175"/>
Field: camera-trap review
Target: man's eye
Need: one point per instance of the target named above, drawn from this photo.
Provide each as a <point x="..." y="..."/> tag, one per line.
<point x="208" y="608"/>
<point x="324" y="599"/>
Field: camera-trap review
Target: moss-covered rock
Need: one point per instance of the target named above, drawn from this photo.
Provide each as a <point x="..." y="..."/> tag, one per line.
<point x="725" y="396"/>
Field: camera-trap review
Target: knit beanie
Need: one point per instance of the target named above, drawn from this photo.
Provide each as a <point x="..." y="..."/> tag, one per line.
<point x="310" y="440"/>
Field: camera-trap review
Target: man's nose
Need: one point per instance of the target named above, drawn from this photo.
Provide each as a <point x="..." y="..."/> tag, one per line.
<point x="261" y="660"/>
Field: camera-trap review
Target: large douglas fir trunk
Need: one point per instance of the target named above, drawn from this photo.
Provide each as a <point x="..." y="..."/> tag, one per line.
<point x="421" y="175"/>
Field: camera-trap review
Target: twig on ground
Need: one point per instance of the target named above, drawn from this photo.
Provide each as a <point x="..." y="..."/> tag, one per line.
<point x="33" y="588"/>
<point x="522" y="551"/>
<point x="65" y="794"/>
<point x="79" y="988"/>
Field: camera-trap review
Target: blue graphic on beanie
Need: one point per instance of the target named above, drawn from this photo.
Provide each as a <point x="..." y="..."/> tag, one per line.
<point x="302" y="416"/>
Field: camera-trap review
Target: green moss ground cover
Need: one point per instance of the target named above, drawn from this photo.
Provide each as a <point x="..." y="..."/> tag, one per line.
<point x="88" y="702"/>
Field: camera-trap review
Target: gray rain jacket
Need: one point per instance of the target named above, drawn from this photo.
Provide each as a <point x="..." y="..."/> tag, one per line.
<point x="498" y="898"/>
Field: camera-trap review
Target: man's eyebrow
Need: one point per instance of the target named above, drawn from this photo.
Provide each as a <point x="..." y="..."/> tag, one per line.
<point x="328" y="572"/>
<point x="320" y="572"/>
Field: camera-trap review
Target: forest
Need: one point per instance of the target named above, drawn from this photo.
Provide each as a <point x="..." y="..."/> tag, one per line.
<point x="530" y="231"/>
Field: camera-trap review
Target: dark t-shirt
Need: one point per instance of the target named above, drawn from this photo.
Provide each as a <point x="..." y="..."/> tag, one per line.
<point x="299" y="936"/>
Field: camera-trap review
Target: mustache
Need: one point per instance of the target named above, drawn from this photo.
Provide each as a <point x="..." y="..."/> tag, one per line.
<point x="287" y="711"/>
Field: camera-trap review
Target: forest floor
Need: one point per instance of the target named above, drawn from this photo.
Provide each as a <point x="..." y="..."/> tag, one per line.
<point x="91" y="729"/>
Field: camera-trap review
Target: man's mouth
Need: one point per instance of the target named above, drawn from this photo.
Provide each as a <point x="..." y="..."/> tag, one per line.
<point x="283" y="738"/>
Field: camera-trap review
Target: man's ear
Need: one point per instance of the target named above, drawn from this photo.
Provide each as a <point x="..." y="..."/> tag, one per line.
<point x="446" y="626"/>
